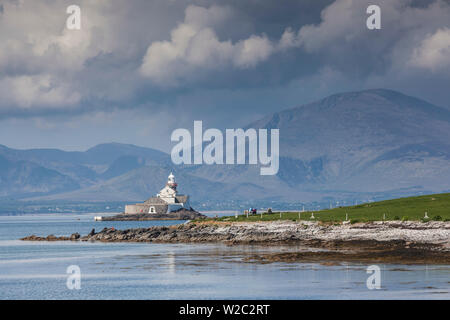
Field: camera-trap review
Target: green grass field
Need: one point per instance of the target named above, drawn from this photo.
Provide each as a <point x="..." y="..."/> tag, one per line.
<point x="412" y="208"/>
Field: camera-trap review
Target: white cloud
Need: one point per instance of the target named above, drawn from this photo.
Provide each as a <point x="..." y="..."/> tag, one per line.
<point x="34" y="32"/>
<point x="252" y="51"/>
<point x="43" y="65"/>
<point x="434" y="51"/>
<point x="341" y="39"/>
<point x="339" y="21"/>
<point x="37" y="91"/>
<point x="411" y="36"/>
<point x="194" y="46"/>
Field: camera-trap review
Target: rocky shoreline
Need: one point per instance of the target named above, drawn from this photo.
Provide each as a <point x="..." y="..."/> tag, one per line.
<point x="390" y="242"/>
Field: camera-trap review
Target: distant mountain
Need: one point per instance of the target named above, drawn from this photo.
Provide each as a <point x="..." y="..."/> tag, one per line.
<point x="24" y="178"/>
<point x="374" y="140"/>
<point x="346" y="146"/>
<point x="354" y="144"/>
<point x="110" y="152"/>
<point x="98" y="155"/>
<point x="357" y="122"/>
<point x="75" y="170"/>
<point x="142" y="183"/>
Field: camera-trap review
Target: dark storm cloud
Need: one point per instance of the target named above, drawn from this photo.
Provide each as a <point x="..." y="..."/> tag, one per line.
<point x="192" y="57"/>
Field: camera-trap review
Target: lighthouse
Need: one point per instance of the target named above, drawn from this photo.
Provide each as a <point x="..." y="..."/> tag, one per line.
<point x="166" y="201"/>
<point x="169" y="192"/>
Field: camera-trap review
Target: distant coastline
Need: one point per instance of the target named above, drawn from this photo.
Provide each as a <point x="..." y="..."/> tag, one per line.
<point x="182" y="214"/>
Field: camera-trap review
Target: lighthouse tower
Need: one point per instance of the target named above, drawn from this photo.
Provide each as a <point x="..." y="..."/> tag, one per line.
<point x="166" y="201"/>
<point x="171" y="182"/>
<point x="169" y="192"/>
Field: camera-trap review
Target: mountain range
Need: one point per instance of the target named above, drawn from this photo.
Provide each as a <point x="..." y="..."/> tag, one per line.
<point x="354" y="145"/>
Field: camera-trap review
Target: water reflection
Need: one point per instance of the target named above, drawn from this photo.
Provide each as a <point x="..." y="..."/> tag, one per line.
<point x="177" y="271"/>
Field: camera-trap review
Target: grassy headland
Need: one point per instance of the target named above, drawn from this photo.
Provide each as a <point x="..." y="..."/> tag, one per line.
<point x="437" y="207"/>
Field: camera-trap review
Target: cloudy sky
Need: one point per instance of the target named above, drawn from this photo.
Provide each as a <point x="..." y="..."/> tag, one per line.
<point x="138" y="69"/>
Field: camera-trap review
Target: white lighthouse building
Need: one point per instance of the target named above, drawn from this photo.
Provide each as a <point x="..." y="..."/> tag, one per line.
<point x="166" y="201"/>
<point x="169" y="192"/>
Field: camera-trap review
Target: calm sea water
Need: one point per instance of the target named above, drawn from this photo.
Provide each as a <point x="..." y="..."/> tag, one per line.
<point x="37" y="270"/>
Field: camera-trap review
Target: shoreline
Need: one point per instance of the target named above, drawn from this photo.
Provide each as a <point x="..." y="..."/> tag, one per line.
<point x="378" y="242"/>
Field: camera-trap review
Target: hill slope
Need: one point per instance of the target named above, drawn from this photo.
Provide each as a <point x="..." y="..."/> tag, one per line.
<point x="410" y="208"/>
